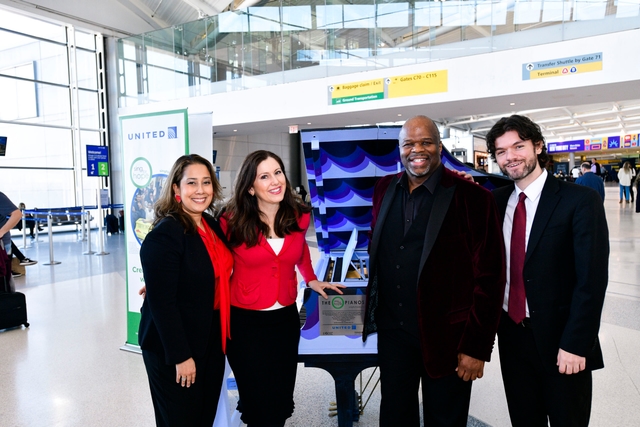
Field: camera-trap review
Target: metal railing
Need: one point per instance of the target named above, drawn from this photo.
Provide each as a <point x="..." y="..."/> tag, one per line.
<point x="283" y="42"/>
<point x="75" y="215"/>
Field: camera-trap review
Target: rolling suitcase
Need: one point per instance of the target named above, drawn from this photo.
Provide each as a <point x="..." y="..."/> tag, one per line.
<point x="13" y="305"/>
<point x="13" y="310"/>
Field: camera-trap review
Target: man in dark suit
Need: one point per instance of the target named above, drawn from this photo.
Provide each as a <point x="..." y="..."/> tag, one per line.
<point x="557" y="249"/>
<point x="436" y="284"/>
<point x="589" y="179"/>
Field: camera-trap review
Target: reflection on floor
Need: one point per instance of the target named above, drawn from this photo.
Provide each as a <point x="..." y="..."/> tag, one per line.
<point x="67" y="369"/>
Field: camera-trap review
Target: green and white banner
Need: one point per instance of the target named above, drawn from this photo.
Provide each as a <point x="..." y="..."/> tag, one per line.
<point x="151" y="144"/>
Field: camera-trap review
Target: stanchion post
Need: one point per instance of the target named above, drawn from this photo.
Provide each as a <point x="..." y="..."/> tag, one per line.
<point x="82" y="224"/>
<point x="100" y="235"/>
<point x="24" y="232"/>
<point x="50" y="224"/>
<point x="88" y="221"/>
<point x="37" y="226"/>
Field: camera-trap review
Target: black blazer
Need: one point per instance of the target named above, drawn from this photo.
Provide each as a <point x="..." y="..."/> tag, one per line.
<point x="566" y="270"/>
<point x="176" y="315"/>
<point x="461" y="272"/>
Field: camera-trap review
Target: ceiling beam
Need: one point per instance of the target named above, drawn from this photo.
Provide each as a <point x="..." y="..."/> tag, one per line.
<point x="144" y="13"/>
<point x="210" y="10"/>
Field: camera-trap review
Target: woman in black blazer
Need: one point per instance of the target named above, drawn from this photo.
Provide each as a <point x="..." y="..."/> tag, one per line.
<point x="185" y="315"/>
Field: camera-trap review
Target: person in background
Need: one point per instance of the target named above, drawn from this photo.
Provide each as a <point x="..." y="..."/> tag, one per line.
<point x="436" y="284"/>
<point x="561" y="175"/>
<point x="638" y="198"/>
<point x="30" y="221"/>
<point x="303" y="194"/>
<point x="10" y="216"/>
<point x="595" y="167"/>
<point x="23" y="260"/>
<point x="557" y="246"/>
<point x="589" y="179"/>
<point x="633" y="181"/>
<point x="625" y="174"/>
<point x="577" y="172"/>
<point x="184" y="322"/>
<point x="266" y="224"/>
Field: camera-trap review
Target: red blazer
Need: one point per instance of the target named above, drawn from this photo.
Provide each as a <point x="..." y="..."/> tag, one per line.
<point x="260" y="277"/>
<point x="461" y="273"/>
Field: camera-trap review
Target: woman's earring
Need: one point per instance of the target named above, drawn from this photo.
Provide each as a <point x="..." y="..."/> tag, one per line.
<point x="178" y="198"/>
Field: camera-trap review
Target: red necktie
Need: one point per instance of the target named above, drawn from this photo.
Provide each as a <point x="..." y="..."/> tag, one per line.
<point x="517" y="295"/>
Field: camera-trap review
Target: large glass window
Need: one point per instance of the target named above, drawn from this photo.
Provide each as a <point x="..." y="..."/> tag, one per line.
<point x="19" y="97"/>
<point x="34" y="27"/>
<point x="36" y="147"/>
<point x="59" y="191"/>
<point x="40" y="86"/>
<point x="49" y="59"/>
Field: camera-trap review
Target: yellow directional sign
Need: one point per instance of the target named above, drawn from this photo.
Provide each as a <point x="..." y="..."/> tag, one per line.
<point x="562" y="71"/>
<point x="418" y="84"/>
<point x="346" y="93"/>
<point x="562" y="66"/>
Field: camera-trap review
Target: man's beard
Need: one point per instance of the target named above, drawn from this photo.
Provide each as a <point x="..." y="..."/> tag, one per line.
<point x="529" y="166"/>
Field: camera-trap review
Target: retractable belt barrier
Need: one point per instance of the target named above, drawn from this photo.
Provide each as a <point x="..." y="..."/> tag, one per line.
<point x="77" y="215"/>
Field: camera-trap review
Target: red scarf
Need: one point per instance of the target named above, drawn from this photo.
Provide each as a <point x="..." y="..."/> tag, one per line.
<point x="222" y="262"/>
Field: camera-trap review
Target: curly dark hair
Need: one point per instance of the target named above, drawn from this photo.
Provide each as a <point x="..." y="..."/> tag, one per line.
<point x="244" y="215"/>
<point x="526" y="129"/>
<point x="167" y="206"/>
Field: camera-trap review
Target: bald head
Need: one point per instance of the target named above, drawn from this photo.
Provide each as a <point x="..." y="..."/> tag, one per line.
<point x="419" y="121"/>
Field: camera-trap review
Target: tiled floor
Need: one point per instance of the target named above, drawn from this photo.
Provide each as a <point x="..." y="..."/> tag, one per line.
<point x="67" y="369"/>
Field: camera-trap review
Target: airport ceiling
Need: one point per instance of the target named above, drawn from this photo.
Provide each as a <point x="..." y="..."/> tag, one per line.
<point x="563" y="115"/>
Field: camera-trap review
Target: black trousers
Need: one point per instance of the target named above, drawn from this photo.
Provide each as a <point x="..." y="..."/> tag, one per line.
<point x="536" y="395"/>
<point x="445" y="401"/>
<point x="263" y="354"/>
<point x="177" y="406"/>
<point x="15" y="251"/>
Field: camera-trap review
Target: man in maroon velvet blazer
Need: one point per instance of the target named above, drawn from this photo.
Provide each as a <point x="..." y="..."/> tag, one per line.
<point x="435" y="286"/>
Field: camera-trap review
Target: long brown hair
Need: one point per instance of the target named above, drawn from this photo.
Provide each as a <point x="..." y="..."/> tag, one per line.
<point x="244" y="215"/>
<point x="168" y="206"/>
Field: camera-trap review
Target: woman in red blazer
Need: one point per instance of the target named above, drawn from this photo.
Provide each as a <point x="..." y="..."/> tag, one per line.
<point x="266" y="227"/>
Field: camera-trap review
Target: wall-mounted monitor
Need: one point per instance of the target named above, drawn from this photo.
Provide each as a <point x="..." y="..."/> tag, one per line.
<point x="3" y="145"/>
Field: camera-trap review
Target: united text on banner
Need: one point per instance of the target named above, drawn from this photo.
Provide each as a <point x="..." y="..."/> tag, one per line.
<point x="151" y="144"/>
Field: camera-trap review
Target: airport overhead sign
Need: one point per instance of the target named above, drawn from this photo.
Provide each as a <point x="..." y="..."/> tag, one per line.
<point x="592" y="144"/>
<point x="631" y="141"/>
<point x="418" y="84"/>
<point x="562" y="67"/>
<point x="424" y="83"/>
<point x="347" y="93"/>
<point x="97" y="160"/>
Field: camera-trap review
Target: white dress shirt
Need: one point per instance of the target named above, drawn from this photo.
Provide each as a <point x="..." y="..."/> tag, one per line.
<point x="533" y="192"/>
<point x="276" y="244"/>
